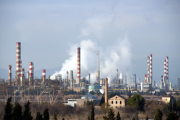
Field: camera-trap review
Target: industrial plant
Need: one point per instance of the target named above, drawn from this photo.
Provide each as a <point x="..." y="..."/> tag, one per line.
<point x="121" y="82"/>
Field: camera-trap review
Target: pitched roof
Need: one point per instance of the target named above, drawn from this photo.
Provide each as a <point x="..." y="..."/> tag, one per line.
<point x="118" y="96"/>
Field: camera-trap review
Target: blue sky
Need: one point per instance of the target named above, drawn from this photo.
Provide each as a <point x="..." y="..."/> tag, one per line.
<point x="48" y="30"/>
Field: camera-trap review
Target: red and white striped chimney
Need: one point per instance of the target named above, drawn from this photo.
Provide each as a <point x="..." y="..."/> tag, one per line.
<point x="43" y="75"/>
<point x="18" y="59"/>
<point x="9" y="82"/>
<point x="167" y="69"/>
<point x="150" y="69"/>
<point x="30" y="73"/>
<point x="164" y="69"/>
<point x="78" y="65"/>
<point x="22" y="76"/>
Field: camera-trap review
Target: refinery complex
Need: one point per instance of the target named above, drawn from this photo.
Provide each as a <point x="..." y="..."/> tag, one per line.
<point x="120" y="82"/>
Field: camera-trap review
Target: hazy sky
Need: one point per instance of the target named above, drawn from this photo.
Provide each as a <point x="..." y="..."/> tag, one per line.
<point x="48" y="30"/>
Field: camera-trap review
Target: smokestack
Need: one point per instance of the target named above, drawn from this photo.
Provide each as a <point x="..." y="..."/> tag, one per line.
<point x="89" y="78"/>
<point x="18" y="59"/>
<point x="49" y="77"/>
<point x="10" y="75"/>
<point x="145" y="78"/>
<point x="130" y="80"/>
<point x="71" y="79"/>
<point x="22" y="76"/>
<point x="67" y="79"/>
<point x="28" y="75"/>
<point x="167" y="69"/>
<point x="78" y="65"/>
<point x="117" y="77"/>
<point x="161" y="82"/>
<point x="125" y="79"/>
<point x="106" y="92"/>
<point x="150" y="69"/>
<point x="43" y="75"/>
<point x="31" y="73"/>
<point x="164" y="70"/>
<point x="98" y="69"/>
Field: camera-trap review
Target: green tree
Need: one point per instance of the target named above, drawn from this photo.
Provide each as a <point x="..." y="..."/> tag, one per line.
<point x="136" y="101"/>
<point x="92" y="112"/>
<point x="178" y="105"/>
<point x="110" y="115"/>
<point x="27" y="112"/>
<point x="158" y="115"/>
<point x="172" y="116"/>
<point x="8" y="110"/>
<point x="17" y="112"/>
<point x="170" y="105"/>
<point x="89" y="102"/>
<point x="133" y="118"/>
<point x="89" y="117"/>
<point x="147" y="117"/>
<point x="174" y="106"/>
<point x="46" y="114"/>
<point x="55" y="116"/>
<point x="118" y="116"/>
<point x="102" y="100"/>
<point x="38" y="116"/>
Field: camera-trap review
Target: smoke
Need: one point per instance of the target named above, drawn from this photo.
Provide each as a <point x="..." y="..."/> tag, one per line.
<point x="115" y="57"/>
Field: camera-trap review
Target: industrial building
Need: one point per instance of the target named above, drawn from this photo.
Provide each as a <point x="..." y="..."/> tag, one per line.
<point x="81" y="102"/>
<point x="121" y="82"/>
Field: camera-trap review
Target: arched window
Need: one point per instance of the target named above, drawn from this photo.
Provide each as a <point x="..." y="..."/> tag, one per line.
<point x="116" y="102"/>
<point x="111" y="102"/>
<point x="120" y="102"/>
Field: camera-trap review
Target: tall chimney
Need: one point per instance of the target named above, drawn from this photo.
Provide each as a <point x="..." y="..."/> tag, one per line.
<point x="145" y="78"/>
<point x="67" y="79"/>
<point x="10" y="75"/>
<point x="150" y="69"/>
<point x="22" y="76"/>
<point x="18" y="59"/>
<point x="89" y="78"/>
<point x="98" y="69"/>
<point x="106" y="92"/>
<point x="125" y="80"/>
<point x="117" y="77"/>
<point x="167" y="69"/>
<point x="164" y="70"/>
<point x="28" y="75"/>
<point x="43" y="75"/>
<point x="78" y="65"/>
<point x="31" y="69"/>
<point x="71" y="79"/>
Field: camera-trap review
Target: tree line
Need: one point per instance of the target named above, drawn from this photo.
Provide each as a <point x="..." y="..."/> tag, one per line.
<point x="14" y="112"/>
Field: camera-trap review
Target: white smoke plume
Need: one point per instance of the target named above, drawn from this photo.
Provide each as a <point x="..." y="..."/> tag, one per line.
<point x="111" y="58"/>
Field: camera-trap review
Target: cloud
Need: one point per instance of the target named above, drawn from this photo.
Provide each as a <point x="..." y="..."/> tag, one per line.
<point x="115" y="57"/>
